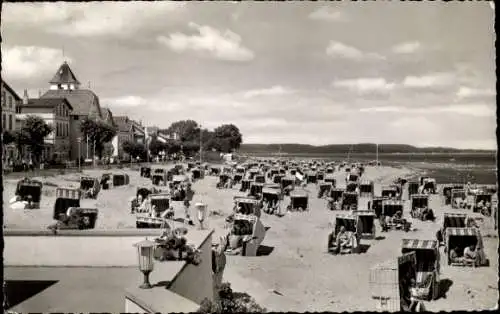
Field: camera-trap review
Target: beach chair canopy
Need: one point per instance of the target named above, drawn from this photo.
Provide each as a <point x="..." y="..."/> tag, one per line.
<point x="161" y="201"/>
<point x="427" y="253"/>
<point x="419" y="201"/>
<point x="454" y="220"/>
<point x="31" y="189"/>
<point x="349" y="222"/>
<point x="390" y="207"/>
<point x="483" y="197"/>
<point x="143" y="192"/>
<point x="366" y="187"/>
<point x="458" y="193"/>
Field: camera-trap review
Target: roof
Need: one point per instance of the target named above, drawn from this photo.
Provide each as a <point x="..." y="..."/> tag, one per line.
<point x="45" y="103"/>
<point x="7" y="87"/>
<point x="81" y="100"/>
<point x="123" y="123"/>
<point x="419" y="244"/>
<point x="106" y="295"/>
<point x="108" y="116"/>
<point x="64" y="75"/>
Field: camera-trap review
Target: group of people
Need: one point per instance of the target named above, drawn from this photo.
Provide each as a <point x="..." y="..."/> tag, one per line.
<point x="472" y="255"/>
<point x="271" y="206"/>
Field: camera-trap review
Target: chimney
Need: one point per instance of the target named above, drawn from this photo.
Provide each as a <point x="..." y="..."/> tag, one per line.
<point x="25" y="97"/>
<point x="39" y="93"/>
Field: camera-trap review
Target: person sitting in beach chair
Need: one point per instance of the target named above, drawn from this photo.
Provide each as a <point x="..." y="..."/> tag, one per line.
<point x="265" y="206"/>
<point x="168" y="214"/>
<point x="274" y="207"/>
<point x="455" y="257"/>
<point x="485" y="209"/>
<point x="470" y="255"/>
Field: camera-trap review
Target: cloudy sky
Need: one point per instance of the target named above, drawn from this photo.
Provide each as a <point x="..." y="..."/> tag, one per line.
<point x="313" y="72"/>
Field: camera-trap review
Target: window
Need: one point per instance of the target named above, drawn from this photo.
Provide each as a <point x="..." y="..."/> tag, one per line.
<point x="3" y="120"/>
<point x="10" y="122"/>
<point x="4" y="100"/>
<point x="10" y="102"/>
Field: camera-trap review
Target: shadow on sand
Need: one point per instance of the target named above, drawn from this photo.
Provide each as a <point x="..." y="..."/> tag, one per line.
<point x="378" y="238"/>
<point x="264" y="250"/>
<point x="444" y="286"/>
<point x="363" y="248"/>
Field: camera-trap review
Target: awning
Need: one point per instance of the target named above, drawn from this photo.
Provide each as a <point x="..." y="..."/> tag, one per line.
<point x="463" y="232"/>
<point x="419" y="244"/>
<point x="68" y="193"/>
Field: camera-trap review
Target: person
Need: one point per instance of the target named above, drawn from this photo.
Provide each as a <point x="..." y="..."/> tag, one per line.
<point x="480" y="204"/>
<point x="383" y="224"/>
<point x="342" y="238"/>
<point x="470" y="254"/>
<point x="265" y="206"/>
<point x="454" y="257"/>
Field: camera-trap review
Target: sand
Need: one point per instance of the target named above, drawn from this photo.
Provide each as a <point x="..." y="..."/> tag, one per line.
<point x="297" y="274"/>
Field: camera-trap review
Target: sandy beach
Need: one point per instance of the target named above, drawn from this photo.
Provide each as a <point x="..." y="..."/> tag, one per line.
<point x="295" y="273"/>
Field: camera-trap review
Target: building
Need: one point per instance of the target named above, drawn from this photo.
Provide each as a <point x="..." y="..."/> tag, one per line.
<point x="139" y="135"/>
<point x="10" y="100"/>
<point x="56" y="113"/>
<point x="100" y="267"/>
<point x="125" y="133"/>
<point x="85" y="105"/>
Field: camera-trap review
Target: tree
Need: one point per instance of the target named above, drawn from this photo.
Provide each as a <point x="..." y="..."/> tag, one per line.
<point x="156" y="146"/>
<point x="8" y="138"/>
<point x="227" y="137"/>
<point x="186" y="130"/>
<point x="32" y="134"/>
<point x="230" y="302"/>
<point x="134" y="149"/>
<point x="190" y="148"/>
<point x="98" y="133"/>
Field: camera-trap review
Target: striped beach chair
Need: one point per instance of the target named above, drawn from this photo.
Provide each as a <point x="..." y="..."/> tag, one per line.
<point x="428" y="267"/>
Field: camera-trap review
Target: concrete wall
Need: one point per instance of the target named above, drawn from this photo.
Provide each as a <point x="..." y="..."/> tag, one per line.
<point x="96" y="250"/>
<point x="132" y="307"/>
<point x="195" y="282"/>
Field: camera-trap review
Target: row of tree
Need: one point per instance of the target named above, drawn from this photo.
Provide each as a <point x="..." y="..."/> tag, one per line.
<point x="190" y="135"/>
<point x="225" y="138"/>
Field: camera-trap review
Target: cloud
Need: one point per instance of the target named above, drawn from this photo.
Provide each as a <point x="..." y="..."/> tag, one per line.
<point x="326" y="14"/>
<point x="337" y="49"/>
<point x="466" y="109"/>
<point x="407" y="47"/>
<point x="223" y="46"/>
<point x="365" y="85"/>
<point x="426" y="81"/>
<point x="382" y="109"/>
<point x="89" y="19"/>
<point x="275" y="90"/>
<point x="476" y="110"/>
<point x="126" y="101"/>
<point x="24" y="62"/>
<point x="467" y="92"/>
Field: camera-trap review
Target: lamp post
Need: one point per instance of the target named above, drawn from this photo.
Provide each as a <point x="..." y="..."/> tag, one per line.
<point x="145" y="250"/>
<point x="79" y="140"/>
<point x="201" y="133"/>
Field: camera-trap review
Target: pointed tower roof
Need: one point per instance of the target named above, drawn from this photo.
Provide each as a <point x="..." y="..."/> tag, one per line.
<point x="64" y="75"/>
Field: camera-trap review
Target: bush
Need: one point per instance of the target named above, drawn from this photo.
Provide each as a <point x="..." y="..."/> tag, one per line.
<point x="230" y="302"/>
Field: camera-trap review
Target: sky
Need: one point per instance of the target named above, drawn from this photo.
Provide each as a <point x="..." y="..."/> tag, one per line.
<point x="296" y="72"/>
